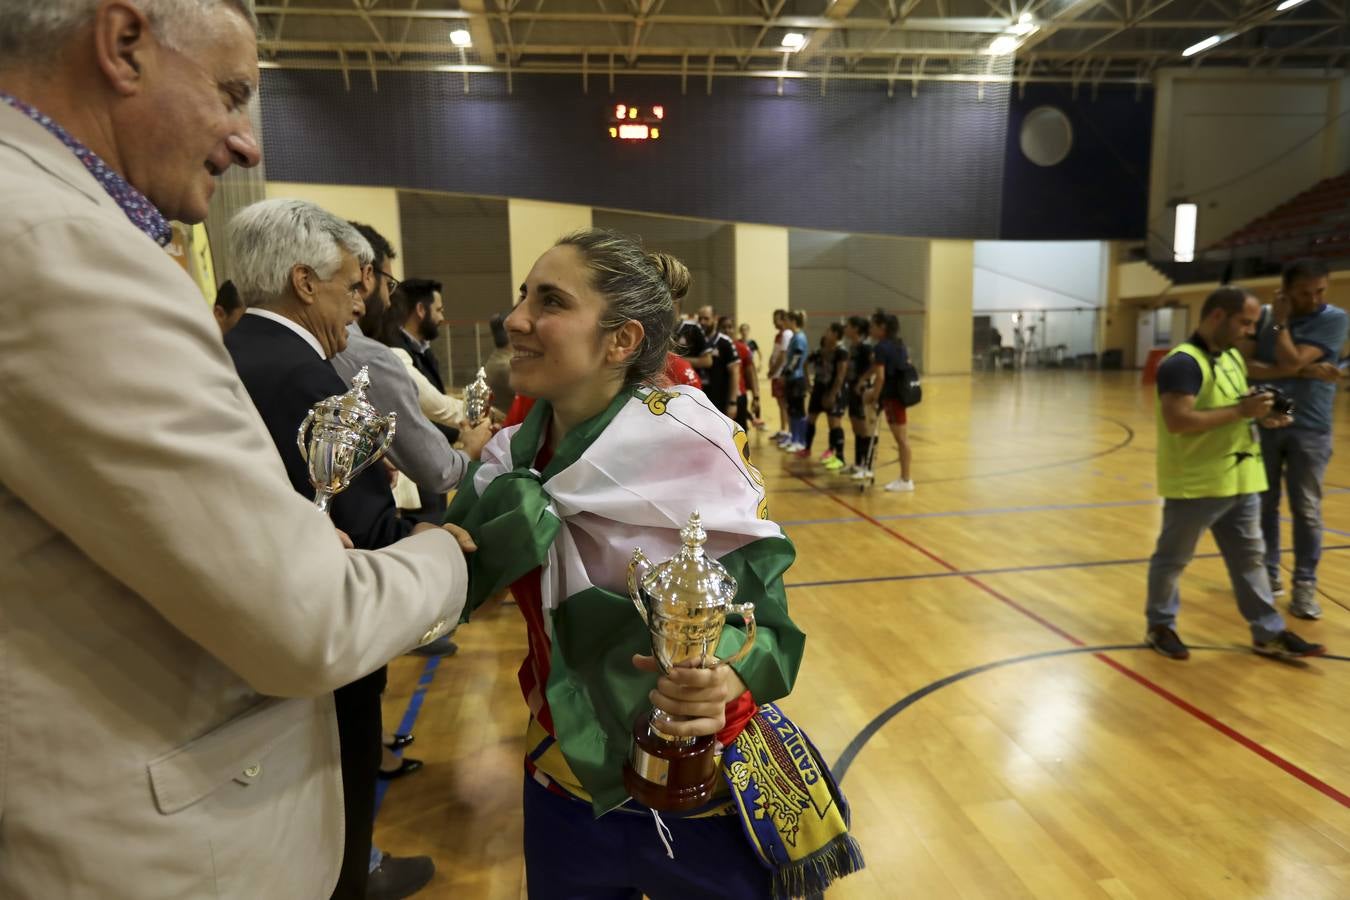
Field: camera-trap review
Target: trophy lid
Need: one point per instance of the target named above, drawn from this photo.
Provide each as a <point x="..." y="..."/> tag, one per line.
<point x="353" y="404"/>
<point x="690" y="579"/>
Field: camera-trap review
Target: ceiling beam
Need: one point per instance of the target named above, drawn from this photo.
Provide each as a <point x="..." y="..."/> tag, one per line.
<point x="970" y="24"/>
<point x="480" y="29"/>
<point x="720" y="72"/>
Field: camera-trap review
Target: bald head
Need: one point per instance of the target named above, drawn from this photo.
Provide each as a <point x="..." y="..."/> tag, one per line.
<point x="707" y="320"/>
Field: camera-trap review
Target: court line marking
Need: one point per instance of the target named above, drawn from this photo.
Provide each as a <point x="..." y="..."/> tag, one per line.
<point x="850" y="752"/>
<point x="1129" y="437"/>
<point x="1242" y="740"/>
<point x="992" y="511"/>
<point x="1010" y="510"/>
<point x="410" y="714"/>
<point x="1013" y="570"/>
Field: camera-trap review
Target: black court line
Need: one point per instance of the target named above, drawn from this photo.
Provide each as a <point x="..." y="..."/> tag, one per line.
<point x="1013" y="570"/>
<point x="855" y="746"/>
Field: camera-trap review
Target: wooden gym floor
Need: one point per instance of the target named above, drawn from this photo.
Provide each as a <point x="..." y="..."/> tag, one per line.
<point x="974" y="672"/>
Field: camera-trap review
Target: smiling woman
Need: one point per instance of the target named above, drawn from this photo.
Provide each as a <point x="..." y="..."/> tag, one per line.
<point x="595" y="313"/>
<point x="561" y="501"/>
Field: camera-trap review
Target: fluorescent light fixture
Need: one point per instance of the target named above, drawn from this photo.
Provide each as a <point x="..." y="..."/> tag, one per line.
<point x="1183" y="236"/>
<point x="1289" y="4"/>
<point x="1026" y="24"/>
<point x="794" y="41"/>
<point x="461" y="38"/>
<point x="1208" y="43"/>
<point x="1003" y="45"/>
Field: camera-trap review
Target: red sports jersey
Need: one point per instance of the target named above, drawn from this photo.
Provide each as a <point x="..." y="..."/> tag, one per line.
<point x="678" y="371"/>
<point x="743" y="351"/>
<point x="520" y="408"/>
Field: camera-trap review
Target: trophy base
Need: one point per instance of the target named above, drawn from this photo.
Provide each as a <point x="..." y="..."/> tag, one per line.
<point x="670" y="777"/>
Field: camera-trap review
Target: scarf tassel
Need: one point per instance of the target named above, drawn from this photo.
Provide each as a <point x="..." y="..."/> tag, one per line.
<point x="811" y="876"/>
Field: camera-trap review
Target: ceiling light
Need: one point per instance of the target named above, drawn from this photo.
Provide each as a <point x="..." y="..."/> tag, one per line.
<point x="1208" y="43"/>
<point x="794" y="41"/>
<point x="461" y="38"/>
<point x="1003" y="45"/>
<point x="1289" y="4"/>
<point x="1025" y="25"/>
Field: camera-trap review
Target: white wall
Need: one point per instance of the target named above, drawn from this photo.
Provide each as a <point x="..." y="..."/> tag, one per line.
<point x="836" y="274"/>
<point x="1059" y="285"/>
<point x="1215" y="134"/>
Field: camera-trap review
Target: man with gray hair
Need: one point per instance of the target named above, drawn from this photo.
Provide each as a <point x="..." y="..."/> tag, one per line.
<point x="175" y="615"/>
<point x="301" y="271"/>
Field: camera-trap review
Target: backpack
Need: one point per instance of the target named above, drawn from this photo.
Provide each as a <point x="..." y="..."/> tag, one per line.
<point x="911" y="392"/>
<point x="902" y="383"/>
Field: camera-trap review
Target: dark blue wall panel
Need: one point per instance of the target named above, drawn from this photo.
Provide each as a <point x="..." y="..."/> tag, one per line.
<point x="1100" y="190"/>
<point x="942" y="164"/>
<point x="853" y="160"/>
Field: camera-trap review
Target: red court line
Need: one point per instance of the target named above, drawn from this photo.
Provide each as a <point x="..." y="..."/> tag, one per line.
<point x="1226" y="730"/>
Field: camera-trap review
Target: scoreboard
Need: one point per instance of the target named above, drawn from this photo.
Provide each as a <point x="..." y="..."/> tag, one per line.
<point x="636" y="123"/>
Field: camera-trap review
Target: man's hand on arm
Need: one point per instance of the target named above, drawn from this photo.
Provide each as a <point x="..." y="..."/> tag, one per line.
<point x="459" y="534"/>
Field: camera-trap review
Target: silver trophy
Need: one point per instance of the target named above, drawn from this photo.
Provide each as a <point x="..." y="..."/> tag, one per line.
<point x="340" y="437"/>
<point x="478" y="399"/>
<point x="685" y="602"/>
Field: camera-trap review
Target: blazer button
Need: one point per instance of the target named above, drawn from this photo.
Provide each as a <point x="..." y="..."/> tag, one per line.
<point x="252" y="771"/>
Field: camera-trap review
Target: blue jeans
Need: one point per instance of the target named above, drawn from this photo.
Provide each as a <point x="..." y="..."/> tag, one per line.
<point x="571" y="855"/>
<point x="1234" y="522"/>
<point x="1301" y="456"/>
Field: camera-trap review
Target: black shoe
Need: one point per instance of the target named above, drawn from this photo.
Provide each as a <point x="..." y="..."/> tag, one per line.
<point x="1287" y="645"/>
<point x="398" y="877"/>
<point x="1166" y="642"/>
<point x="400" y="741"/>
<point x="440" y="647"/>
<point x="406" y="767"/>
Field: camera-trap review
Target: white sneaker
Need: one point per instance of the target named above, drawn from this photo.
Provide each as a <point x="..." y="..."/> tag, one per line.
<point x="794" y="447"/>
<point x="900" y="485"/>
<point x="862" y="474"/>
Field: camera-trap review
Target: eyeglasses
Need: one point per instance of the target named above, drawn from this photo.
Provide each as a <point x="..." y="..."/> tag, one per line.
<point x="389" y="280"/>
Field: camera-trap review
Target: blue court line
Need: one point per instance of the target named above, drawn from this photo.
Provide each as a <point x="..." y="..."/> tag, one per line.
<point x="1004" y="510"/>
<point x="1049" y="507"/>
<point x="855" y="746"/>
<point x="409" y="719"/>
<point x="1013" y="570"/>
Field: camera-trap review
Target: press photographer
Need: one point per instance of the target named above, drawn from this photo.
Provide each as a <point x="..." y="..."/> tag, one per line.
<point x="1211" y="475"/>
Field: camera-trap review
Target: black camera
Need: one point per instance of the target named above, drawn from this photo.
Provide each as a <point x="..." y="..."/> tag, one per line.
<point x="1281" y="404"/>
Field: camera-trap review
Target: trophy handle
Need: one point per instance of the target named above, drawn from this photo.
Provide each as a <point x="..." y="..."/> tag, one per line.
<point x="746" y="612"/>
<point x="302" y="436"/>
<point x="634" y="591"/>
<point x="392" y="420"/>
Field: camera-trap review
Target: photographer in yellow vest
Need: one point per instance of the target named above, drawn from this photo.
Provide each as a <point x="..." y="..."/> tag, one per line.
<point x="1211" y="476"/>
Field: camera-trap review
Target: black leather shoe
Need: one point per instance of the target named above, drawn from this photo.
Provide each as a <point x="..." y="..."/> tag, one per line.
<point x="406" y="767"/>
<point x="400" y="741"/>
<point x="398" y="877"/>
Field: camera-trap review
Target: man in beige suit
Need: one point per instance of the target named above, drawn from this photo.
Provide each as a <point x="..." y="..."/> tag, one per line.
<point x="173" y="616"/>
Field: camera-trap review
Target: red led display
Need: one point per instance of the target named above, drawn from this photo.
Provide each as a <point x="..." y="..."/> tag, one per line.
<point x="636" y="123"/>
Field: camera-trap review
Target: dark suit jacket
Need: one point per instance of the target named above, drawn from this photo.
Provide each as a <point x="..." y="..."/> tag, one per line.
<point x="285" y="377"/>
<point x="424" y="361"/>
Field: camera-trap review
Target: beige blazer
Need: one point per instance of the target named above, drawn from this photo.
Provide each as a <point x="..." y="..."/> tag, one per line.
<point x="173" y="615"/>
